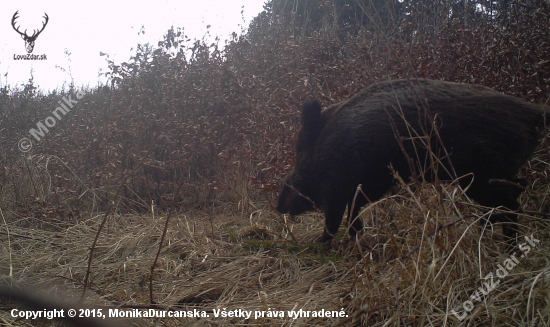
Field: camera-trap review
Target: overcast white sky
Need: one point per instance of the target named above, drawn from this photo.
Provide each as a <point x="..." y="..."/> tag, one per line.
<point x="86" y="28"/>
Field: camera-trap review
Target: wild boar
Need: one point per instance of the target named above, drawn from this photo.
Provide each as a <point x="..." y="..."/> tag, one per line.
<point x="477" y="133"/>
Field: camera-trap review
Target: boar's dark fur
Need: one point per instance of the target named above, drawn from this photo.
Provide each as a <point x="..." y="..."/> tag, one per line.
<point x="478" y="132"/>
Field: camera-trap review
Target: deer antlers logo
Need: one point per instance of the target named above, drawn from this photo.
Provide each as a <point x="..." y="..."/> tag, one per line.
<point x="29" y="40"/>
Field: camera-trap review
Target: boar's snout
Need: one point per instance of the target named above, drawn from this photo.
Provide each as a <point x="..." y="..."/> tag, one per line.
<point x="291" y="201"/>
<point x="285" y="199"/>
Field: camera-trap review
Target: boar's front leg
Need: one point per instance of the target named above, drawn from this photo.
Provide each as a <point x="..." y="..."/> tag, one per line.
<point x="334" y="211"/>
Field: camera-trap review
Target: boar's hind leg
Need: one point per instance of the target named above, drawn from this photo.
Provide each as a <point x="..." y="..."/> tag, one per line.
<point x="496" y="194"/>
<point x="355" y="225"/>
<point x="334" y="212"/>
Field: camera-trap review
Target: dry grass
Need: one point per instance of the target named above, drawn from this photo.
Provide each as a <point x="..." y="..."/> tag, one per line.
<point x="420" y="256"/>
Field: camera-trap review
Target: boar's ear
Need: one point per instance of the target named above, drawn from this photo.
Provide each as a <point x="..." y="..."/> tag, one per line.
<point x="311" y="119"/>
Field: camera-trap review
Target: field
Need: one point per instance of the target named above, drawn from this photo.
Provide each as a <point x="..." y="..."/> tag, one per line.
<point x="413" y="269"/>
